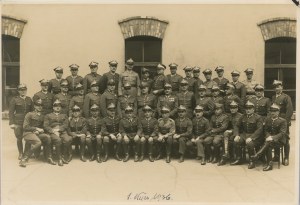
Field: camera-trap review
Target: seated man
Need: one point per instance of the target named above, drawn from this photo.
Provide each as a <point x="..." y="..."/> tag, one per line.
<point x="275" y="135"/>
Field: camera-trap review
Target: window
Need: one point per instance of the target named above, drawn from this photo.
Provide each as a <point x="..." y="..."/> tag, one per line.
<point x="280" y="64"/>
<point x="10" y="68"/>
<point x="145" y="51"/>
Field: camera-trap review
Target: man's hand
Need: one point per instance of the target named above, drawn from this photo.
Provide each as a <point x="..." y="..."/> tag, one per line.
<point x="270" y="138"/>
<point x="12" y="126"/>
<point x="237" y="138"/>
<point x="88" y="136"/>
<point x="113" y="137"/>
<point x="248" y="140"/>
<point x="176" y="136"/>
<point x="40" y="130"/>
<point x="155" y="92"/>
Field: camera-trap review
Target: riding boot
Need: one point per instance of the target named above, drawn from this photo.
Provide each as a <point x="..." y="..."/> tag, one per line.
<point x="260" y="152"/>
<point x="106" y="152"/>
<point x="286" y="153"/>
<point x="117" y="152"/>
<point x="142" y="152"/>
<point x="20" y="148"/>
<point x="238" y="153"/>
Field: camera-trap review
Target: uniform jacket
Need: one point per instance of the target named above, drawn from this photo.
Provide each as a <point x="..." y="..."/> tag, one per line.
<point x="276" y="128"/>
<point x="65" y="101"/>
<point x="93" y="126"/>
<point x="133" y="79"/>
<point x="249" y="86"/>
<point x="18" y="108"/>
<point x="88" y="79"/>
<point x="32" y="121"/>
<point x="208" y="106"/>
<point x="124" y="101"/>
<point x="108" y="76"/>
<point x="76" y="100"/>
<point x="54" y="86"/>
<point x="197" y="83"/>
<point x="107" y="98"/>
<point x="148" y="127"/>
<point x="262" y="105"/>
<point x="129" y="127"/>
<point x="166" y="127"/>
<point x="149" y="82"/>
<point x="240" y="90"/>
<point x="286" y="107"/>
<point x="222" y="82"/>
<point x="54" y="120"/>
<point x="219" y="124"/>
<point x="184" y="127"/>
<point x="249" y="126"/>
<point x="110" y="125"/>
<point x="158" y="83"/>
<point x="201" y="127"/>
<point x="233" y="119"/>
<point x="89" y="100"/>
<point x="77" y="126"/>
<point x="191" y="81"/>
<point x="186" y="99"/>
<point x="209" y="85"/>
<point x="174" y="80"/>
<point x="47" y="101"/>
<point x="73" y="81"/>
<point x="170" y="101"/>
<point x="228" y="100"/>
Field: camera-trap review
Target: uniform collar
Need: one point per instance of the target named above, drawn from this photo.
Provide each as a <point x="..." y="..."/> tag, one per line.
<point x="248" y="116"/>
<point x="23" y="97"/>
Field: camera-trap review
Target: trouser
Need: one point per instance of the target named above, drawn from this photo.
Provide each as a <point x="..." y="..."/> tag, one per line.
<point x="167" y="144"/>
<point x="182" y="144"/>
<point x="216" y="141"/>
<point x="250" y="147"/>
<point x="84" y="141"/>
<point x="152" y="143"/>
<point x="117" y="143"/>
<point x="35" y="141"/>
<point x="135" y="141"/>
<point x="267" y="148"/>
<point x="18" y="130"/>
<point x="63" y="141"/>
<point x="228" y="144"/>
<point x="200" y="147"/>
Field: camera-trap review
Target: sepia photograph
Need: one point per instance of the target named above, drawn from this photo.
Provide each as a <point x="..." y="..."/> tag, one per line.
<point x="168" y="103"/>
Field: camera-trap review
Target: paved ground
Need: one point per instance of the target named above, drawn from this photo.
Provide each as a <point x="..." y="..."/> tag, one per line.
<point x="125" y="182"/>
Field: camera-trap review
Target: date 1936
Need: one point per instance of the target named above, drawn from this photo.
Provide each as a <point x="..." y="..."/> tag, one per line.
<point x="143" y="196"/>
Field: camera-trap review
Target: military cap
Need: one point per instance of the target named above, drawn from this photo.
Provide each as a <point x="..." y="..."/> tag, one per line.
<point x="219" y="69"/>
<point x="76" y="108"/>
<point x="207" y="71"/>
<point x="79" y="86"/>
<point x="173" y="66"/>
<point x="147" y="107"/>
<point x="249" y="104"/>
<point x="144" y="85"/>
<point x="218" y="106"/>
<point x="249" y="70"/>
<point x="111" y="82"/>
<point x="127" y="86"/>
<point x="196" y="69"/>
<point x="184" y="82"/>
<point x="167" y="85"/>
<point x="94" y="107"/>
<point x="38" y="102"/>
<point x="130" y="61"/>
<point x="94" y="83"/>
<point x="44" y="82"/>
<point x="128" y="109"/>
<point x="64" y="83"/>
<point x="181" y="108"/>
<point x="233" y="104"/>
<point x="277" y="82"/>
<point x="202" y="87"/>
<point x="111" y="106"/>
<point x="235" y="73"/>
<point x="187" y="68"/>
<point x="74" y="67"/>
<point x="215" y="88"/>
<point x="161" y="66"/>
<point x="113" y="63"/>
<point x="259" y="87"/>
<point x="145" y="70"/>
<point x="22" y="87"/>
<point x="274" y="107"/>
<point x="93" y="64"/>
<point x="58" y="69"/>
<point x="230" y="85"/>
<point x="199" y="108"/>
<point x="57" y="102"/>
<point x="165" y="109"/>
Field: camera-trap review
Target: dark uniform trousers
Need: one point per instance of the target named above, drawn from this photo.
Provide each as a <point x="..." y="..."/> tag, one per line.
<point x="184" y="128"/>
<point x="35" y="139"/>
<point x="143" y="100"/>
<point x="94" y="143"/>
<point x="166" y="128"/>
<point x="129" y="130"/>
<point x="76" y="127"/>
<point x="201" y="127"/>
<point x="148" y="131"/>
<point x="218" y="123"/>
<point x="61" y="139"/>
<point x="187" y="99"/>
<point x="18" y="108"/>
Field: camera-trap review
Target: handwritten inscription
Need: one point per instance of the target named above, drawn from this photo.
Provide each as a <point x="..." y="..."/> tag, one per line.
<point x="143" y="196"/>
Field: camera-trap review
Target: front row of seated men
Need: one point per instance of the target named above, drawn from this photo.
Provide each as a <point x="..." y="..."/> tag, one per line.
<point x="229" y="133"/>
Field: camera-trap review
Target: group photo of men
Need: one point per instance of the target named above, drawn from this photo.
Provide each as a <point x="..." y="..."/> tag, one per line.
<point x="123" y="116"/>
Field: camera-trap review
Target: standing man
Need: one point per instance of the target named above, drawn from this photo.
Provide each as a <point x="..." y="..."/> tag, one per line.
<point x="249" y="84"/>
<point x="240" y="89"/>
<point x="230" y="97"/>
<point x="111" y="75"/>
<point x="146" y="99"/>
<point x="205" y="102"/>
<point x="188" y="70"/>
<point x="91" y="98"/>
<point x="159" y="80"/>
<point x="19" y="106"/>
<point x="93" y="76"/>
<point x="131" y="77"/>
<point x="216" y="96"/>
<point x="64" y="97"/>
<point x="54" y="84"/>
<point x="74" y="79"/>
<point x="209" y="83"/>
<point x="47" y="97"/>
<point x="286" y="112"/>
<point x="220" y="80"/>
<point x="196" y="76"/>
<point x="126" y="100"/>
<point x="108" y="97"/>
<point x="186" y="98"/>
<point x="77" y="99"/>
<point x="174" y="79"/>
<point x="146" y="78"/>
<point x="262" y="104"/>
<point x="168" y="100"/>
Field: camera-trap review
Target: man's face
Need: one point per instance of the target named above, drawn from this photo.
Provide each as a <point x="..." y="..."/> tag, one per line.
<point x="95" y="113"/>
<point x="215" y="93"/>
<point x="165" y="115"/>
<point x="145" y="90"/>
<point x="22" y="92"/>
<point x="94" y="69"/>
<point x="184" y="87"/>
<point x="259" y="93"/>
<point x="173" y="71"/>
<point x="199" y="114"/>
<point x="168" y="91"/>
<point x="126" y="91"/>
<point x="58" y="75"/>
<point x="234" y="110"/>
<point x="181" y="113"/>
<point x="160" y="71"/>
<point x="113" y="68"/>
<point x="94" y="89"/>
<point x="64" y="89"/>
<point x="188" y="74"/>
<point x="38" y="108"/>
<point x="44" y="88"/>
<point x="229" y="91"/>
<point x="207" y="76"/>
<point x="235" y="78"/>
<point x="129" y="114"/>
<point x="146" y="75"/>
<point x="80" y="92"/>
<point x="249" y="111"/>
<point x="274" y="114"/>
<point x="111" y="113"/>
<point x="129" y="67"/>
<point x="76" y="113"/>
<point x="74" y="72"/>
<point x="56" y="108"/>
<point x="220" y="74"/>
<point x="111" y="87"/>
<point x="196" y="74"/>
<point x="249" y="76"/>
<point x="148" y="113"/>
<point x="278" y="89"/>
<point x="202" y="93"/>
<point x="218" y="111"/>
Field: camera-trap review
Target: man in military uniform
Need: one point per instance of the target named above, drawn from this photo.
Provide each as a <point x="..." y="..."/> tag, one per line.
<point x="93" y="134"/>
<point x="168" y="100"/>
<point x="54" y="84"/>
<point x="262" y="104"/>
<point x="146" y="78"/>
<point x="77" y="99"/>
<point x="186" y="98"/>
<point x="108" y="97"/>
<point x="183" y="134"/>
<point x="205" y="101"/>
<point x="91" y="98"/>
<point x="234" y="117"/>
<point x="286" y="112"/>
<point x="64" y="97"/>
<point x="148" y="131"/>
<point x="174" y="79"/>
<point x="131" y="77"/>
<point x="201" y="128"/>
<point x="249" y="84"/>
<point x="209" y="83"/>
<point x="112" y="75"/>
<point x="77" y="130"/>
<point x="275" y="135"/>
<point x="159" y="80"/>
<point x="219" y="123"/>
<point x="166" y="130"/>
<point x="146" y="99"/>
<point x="188" y="70"/>
<point x="93" y="76"/>
<point x="240" y="89"/>
<point x="126" y="100"/>
<point x="230" y="97"/>
<point x="196" y="76"/>
<point x="220" y="80"/>
<point x="47" y="97"/>
<point x="19" y="106"/>
<point x="110" y="131"/>
<point x="34" y="134"/>
<point x="248" y="131"/>
<point x="129" y="132"/>
<point x="56" y="125"/>
<point x="74" y="79"/>
<point x="216" y="97"/>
